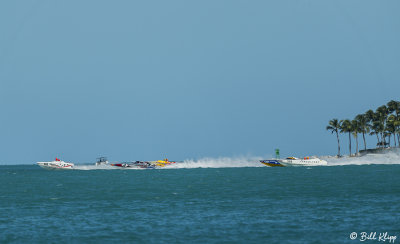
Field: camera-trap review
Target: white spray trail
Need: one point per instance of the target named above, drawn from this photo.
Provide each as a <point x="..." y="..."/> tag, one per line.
<point x="242" y="162"/>
<point x="93" y="167"/>
<point x="386" y="158"/>
<point x="223" y="162"/>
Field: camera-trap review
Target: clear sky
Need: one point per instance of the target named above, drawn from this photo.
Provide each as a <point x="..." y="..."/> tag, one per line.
<point x="141" y="80"/>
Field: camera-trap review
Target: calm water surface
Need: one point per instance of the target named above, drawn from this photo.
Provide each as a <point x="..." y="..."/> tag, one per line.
<point x="224" y="205"/>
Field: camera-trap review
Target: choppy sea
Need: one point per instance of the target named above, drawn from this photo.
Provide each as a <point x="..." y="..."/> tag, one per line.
<point x="203" y="202"/>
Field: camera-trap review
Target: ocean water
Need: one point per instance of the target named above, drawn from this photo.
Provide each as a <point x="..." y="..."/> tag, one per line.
<point x="210" y="203"/>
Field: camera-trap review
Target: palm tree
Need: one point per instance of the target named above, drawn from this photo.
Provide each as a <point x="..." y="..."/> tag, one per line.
<point x="382" y="113"/>
<point x="362" y="120"/>
<point x="355" y="130"/>
<point x="334" y="126"/>
<point x="370" y="115"/>
<point x="391" y="127"/>
<point x="396" y="126"/>
<point x="374" y="130"/>
<point x="346" y="126"/>
<point x="373" y="127"/>
<point x="383" y="122"/>
<point x="394" y="107"/>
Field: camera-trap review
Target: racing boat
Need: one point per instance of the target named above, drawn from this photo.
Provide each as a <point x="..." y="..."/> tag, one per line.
<point x="272" y="162"/>
<point x="102" y="161"/>
<point x="293" y="161"/>
<point x="144" y="164"/>
<point x="136" y="164"/>
<point x="56" y="164"/>
<point x="162" y="163"/>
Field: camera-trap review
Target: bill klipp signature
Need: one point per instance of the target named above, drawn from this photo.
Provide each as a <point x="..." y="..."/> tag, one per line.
<point x="382" y="236"/>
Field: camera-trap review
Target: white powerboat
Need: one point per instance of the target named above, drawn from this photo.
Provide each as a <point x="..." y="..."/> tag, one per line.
<point x="101" y="161"/>
<point x="306" y="161"/>
<point x="56" y="164"/>
<point x="293" y="161"/>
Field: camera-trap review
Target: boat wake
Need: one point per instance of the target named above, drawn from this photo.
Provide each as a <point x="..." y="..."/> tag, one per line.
<point x="226" y="162"/>
<point x="386" y="158"/>
<point x="223" y="162"/>
<point x="242" y="162"/>
<point x="93" y="167"/>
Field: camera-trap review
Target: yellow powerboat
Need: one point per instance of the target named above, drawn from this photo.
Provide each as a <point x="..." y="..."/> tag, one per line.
<point x="162" y="163"/>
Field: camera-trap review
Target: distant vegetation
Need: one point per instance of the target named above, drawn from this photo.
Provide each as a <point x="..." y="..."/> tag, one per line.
<point x="383" y="123"/>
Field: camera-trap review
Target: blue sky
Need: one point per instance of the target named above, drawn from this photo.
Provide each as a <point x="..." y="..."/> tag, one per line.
<point x="141" y="80"/>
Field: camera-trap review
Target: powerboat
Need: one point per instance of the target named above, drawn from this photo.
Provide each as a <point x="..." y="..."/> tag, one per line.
<point x="162" y="163"/>
<point x="101" y="161"/>
<point x="136" y="164"/>
<point x="293" y="161"/>
<point x="56" y="164"/>
<point x="272" y="162"/>
<point x="144" y="164"/>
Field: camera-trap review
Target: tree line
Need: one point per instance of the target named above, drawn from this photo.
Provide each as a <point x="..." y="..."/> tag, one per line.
<point x="384" y="123"/>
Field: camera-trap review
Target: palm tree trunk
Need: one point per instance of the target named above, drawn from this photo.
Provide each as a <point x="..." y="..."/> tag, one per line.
<point x="377" y="138"/>
<point x="365" y="144"/>
<point x="398" y="139"/>
<point x="383" y="140"/>
<point x="350" y="143"/>
<point x="394" y="139"/>
<point x="338" y="143"/>
<point x="356" y="144"/>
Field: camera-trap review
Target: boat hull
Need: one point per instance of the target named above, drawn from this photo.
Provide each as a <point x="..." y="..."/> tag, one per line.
<point x="56" y="165"/>
<point x="144" y="164"/>
<point x="272" y="163"/>
<point x="289" y="162"/>
<point x="134" y="165"/>
<point x="161" y="163"/>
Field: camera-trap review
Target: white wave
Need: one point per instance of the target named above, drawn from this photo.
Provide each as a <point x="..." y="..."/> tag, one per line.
<point x="93" y="167"/>
<point x="222" y="162"/>
<point x="386" y="158"/>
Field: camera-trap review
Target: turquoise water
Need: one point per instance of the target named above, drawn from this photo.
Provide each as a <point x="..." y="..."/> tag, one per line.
<point x="200" y="205"/>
